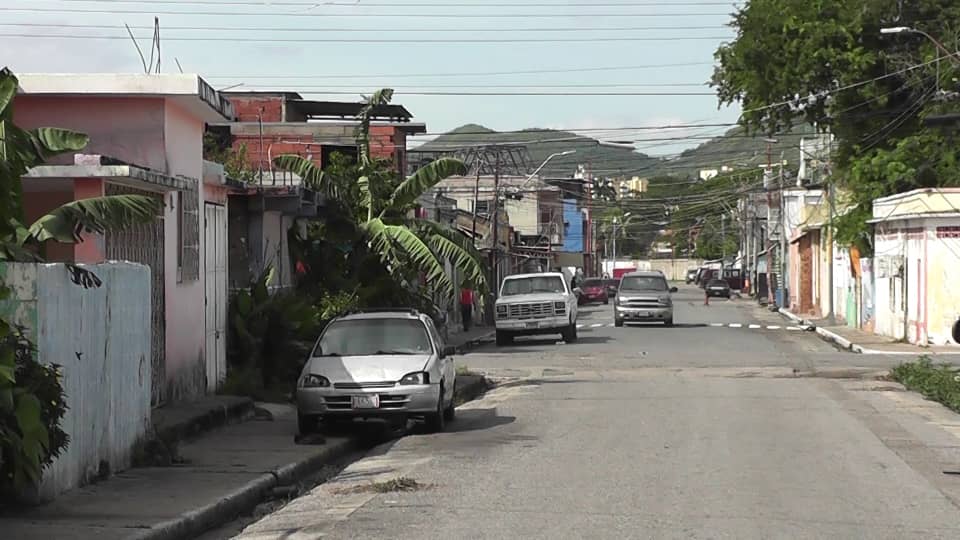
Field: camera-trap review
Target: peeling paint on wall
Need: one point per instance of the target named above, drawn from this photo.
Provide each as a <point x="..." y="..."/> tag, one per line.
<point x="101" y="337"/>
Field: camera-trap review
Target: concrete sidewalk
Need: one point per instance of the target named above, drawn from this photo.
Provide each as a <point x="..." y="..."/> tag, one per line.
<point x="218" y="476"/>
<point x="858" y="341"/>
<point x="221" y="475"/>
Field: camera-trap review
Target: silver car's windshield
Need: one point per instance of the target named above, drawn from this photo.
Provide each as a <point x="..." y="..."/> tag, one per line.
<point x="643" y="283"/>
<point x="369" y="337"/>
<point x="528" y="285"/>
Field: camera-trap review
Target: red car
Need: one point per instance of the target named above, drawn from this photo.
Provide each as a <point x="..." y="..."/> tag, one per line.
<point x="594" y="290"/>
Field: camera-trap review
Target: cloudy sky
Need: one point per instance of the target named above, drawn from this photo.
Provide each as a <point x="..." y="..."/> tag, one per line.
<point x="453" y="62"/>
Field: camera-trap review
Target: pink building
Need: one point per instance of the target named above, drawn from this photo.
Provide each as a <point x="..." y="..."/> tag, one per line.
<point x="146" y="137"/>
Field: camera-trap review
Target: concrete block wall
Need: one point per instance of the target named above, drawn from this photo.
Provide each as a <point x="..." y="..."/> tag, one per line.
<point x="101" y="338"/>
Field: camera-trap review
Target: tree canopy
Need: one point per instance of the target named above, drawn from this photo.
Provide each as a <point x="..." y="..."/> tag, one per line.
<point x="826" y="62"/>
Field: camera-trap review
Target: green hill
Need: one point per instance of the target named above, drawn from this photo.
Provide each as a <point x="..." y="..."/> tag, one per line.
<point x="734" y="149"/>
<point x="541" y="143"/>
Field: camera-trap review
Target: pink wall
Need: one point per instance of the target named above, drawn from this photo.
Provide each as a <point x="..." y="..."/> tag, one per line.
<point x="130" y="129"/>
<point x="91" y="249"/>
<point x="215" y="194"/>
<point x="159" y="134"/>
<point x="183" y="145"/>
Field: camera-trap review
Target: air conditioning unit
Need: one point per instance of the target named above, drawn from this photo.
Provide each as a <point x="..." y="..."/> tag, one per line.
<point x="555" y="239"/>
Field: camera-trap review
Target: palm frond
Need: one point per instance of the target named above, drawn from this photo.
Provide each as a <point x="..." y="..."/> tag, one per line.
<point x="48" y="142"/>
<point x="98" y="214"/>
<point x="458" y="249"/>
<point x="395" y="243"/>
<point x="425" y="178"/>
<point x="311" y="176"/>
<point x="8" y="89"/>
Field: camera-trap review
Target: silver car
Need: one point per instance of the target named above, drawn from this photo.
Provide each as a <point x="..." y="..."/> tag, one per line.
<point x="644" y="297"/>
<point x="378" y="365"/>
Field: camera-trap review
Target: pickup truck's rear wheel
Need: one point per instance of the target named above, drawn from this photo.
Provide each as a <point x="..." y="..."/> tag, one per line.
<point x="504" y="338"/>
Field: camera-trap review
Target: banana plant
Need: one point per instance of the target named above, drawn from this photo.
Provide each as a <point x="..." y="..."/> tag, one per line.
<point x="403" y="244"/>
<point x="21" y="150"/>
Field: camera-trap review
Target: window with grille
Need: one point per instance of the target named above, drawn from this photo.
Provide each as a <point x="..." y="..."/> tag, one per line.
<point x="188" y="221"/>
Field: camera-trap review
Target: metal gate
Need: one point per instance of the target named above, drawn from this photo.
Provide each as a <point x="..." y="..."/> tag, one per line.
<point x="215" y="288"/>
<point x="144" y="244"/>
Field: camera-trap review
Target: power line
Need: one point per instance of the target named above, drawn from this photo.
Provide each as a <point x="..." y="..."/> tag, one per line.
<point x="466" y="74"/>
<point x="312" y="4"/>
<point x="375" y="40"/>
<point x="401" y="89"/>
<point x="378" y="15"/>
<point x="375" y="30"/>
<point x="504" y="94"/>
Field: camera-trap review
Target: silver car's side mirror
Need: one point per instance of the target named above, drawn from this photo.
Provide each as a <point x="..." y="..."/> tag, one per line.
<point x="673" y="289"/>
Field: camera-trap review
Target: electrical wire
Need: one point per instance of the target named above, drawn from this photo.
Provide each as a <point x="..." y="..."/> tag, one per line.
<point x="254" y="76"/>
<point x="351" y="15"/>
<point x="249" y="39"/>
<point x="314" y="4"/>
<point x="417" y="30"/>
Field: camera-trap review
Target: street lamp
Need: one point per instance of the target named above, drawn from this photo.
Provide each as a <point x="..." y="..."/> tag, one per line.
<point x="544" y="164"/>
<point x="908" y="30"/>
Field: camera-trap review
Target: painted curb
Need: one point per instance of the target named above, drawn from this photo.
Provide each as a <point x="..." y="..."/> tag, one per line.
<point x="243" y="500"/>
<point x="475" y="342"/>
<point x="840" y="341"/>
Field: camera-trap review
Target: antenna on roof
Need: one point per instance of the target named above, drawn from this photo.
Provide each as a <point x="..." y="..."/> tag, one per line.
<point x="140" y="52"/>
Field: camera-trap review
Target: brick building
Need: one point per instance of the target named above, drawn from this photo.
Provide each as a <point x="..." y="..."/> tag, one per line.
<point x="271" y="124"/>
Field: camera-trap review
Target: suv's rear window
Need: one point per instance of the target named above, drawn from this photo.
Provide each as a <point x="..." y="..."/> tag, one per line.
<point x="717" y="283"/>
<point x="367" y="337"/>
<point x="643" y="283"/>
<point x="592" y="283"/>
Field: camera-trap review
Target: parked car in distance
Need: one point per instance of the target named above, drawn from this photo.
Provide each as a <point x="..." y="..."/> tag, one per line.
<point x="594" y="291"/>
<point x="718" y="287"/>
<point x="384" y="364"/>
<point x="536" y="304"/>
<point x="612" y="286"/>
<point x="692" y="275"/>
<point x="643" y="297"/>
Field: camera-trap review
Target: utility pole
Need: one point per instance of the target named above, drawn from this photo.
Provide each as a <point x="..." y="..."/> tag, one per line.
<point x="784" y="289"/>
<point x="614" y="247"/>
<point x="830" y="308"/>
<point x="494" y="252"/>
<point x="476" y="200"/>
<point x="767" y="174"/>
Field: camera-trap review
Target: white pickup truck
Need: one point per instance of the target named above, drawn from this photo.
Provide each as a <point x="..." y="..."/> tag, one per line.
<point x="535" y="304"/>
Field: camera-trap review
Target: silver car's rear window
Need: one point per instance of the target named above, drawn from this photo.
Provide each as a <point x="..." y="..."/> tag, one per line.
<point x="368" y="337"/>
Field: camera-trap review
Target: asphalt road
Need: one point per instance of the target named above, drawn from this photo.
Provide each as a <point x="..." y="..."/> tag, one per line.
<point x="728" y="425"/>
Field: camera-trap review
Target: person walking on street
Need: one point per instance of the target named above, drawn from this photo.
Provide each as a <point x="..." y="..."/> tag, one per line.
<point x="466" y="306"/>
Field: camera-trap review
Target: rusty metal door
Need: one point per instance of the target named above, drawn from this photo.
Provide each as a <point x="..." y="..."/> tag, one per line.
<point x="144" y="244"/>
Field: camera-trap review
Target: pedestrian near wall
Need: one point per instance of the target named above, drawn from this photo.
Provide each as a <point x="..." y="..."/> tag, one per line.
<point x="466" y="305"/>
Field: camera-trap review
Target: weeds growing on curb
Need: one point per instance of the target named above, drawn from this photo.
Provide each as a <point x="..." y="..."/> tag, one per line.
<point x="389" y="486"/>
<point x="940" y="382"/>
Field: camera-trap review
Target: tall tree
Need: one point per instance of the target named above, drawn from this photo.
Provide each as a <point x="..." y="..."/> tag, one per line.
<point x="380" y="211"/>
<point x="826" y="62"/>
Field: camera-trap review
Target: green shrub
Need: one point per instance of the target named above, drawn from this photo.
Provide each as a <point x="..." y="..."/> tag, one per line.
<point x="32" y="405"/>
<point x="939" y="383"/>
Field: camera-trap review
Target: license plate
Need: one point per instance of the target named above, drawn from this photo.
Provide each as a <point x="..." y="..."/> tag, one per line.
<point x="532" y="325"/>
<point x="366" y="402"/>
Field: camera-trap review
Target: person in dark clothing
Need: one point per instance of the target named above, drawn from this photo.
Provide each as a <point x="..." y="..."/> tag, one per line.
<point x="466" y="306"/>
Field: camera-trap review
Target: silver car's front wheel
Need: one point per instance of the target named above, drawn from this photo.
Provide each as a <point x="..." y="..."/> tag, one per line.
<point x="436" y="421"/>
